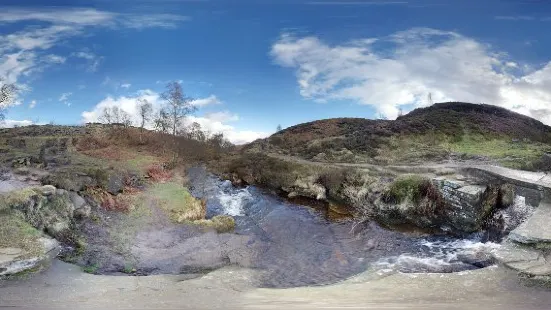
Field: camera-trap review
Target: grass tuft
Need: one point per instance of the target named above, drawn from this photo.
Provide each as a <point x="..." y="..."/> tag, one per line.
<point x="180" y="205"/>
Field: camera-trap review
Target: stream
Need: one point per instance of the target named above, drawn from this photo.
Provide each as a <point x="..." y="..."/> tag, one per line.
<point x="297" y="246"/>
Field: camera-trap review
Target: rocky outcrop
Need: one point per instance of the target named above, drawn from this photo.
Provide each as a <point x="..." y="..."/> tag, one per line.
<point x="16" y="260"/>
<point x="467" y="206"/>
<point x="528" y="248"/>
<point x="27" y="215"/>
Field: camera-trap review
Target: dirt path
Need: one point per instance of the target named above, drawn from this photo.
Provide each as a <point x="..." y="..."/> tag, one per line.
<point x="64" y="286"/>
<point x="518" y="177"/>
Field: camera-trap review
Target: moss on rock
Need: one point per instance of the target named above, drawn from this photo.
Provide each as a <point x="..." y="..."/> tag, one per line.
<point x="221" y="223"/>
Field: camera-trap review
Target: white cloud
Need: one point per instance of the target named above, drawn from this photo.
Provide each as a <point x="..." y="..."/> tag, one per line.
<point x="10" y="123"/>
<point x="90" y="17"/>
<point x="515" y="18"/>
<point x="32" y="104"/>
<point x="22" y="53"/>
<point x="92" y="59"/>
<point x="137" y="21"/>
<point x="64" y="98"/>
<point x="55" y="59"/>
<point x="126" y="85"/>
<point x="213" y="123"/>
<point x="222" y="116"/>
<point x="402" y="69"/>
<point x="212" y="99"/>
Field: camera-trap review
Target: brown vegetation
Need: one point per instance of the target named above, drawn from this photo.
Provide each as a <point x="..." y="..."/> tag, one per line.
<point x="437" y="131"/>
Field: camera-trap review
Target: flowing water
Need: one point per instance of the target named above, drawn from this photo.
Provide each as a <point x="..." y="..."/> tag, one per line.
<point x="297" y="245"/>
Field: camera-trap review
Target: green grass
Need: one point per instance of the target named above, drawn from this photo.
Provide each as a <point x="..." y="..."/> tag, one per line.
<point x="221" y="223"/>
<point x="16" y="233"/>
<point x="180" y="205"/>
<point x="497" y="148"/>
<point x="123" y="235"/>
<point x="434" y="146"/>
<point x="91" y="268"/>
<point x="129" y="269"/>
<point x="408" y="187"/>
<point x="140" y="162"/>
<point x="15" y="198"/>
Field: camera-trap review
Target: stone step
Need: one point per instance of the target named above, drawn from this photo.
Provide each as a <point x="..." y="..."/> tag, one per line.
<point x="536" y="229"/>
<point x="524" y="259"/>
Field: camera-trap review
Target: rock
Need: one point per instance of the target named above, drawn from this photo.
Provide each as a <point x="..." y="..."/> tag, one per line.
<point x="524" y="259"/>
<point x="115" y="184"/>
<point x="478" y="259"/>
<point x="507" y="194"/>
<point x="83" y="212"/>
<point x="306" y="187"/>
<point x="468" y="205"/>
<point x="60" y="191"/>
<point x="15" y="260"/>
<point x="536" y="228"/>
<point x="76" y="199"/>
<point x="44" y="209"/>
<point x="47" y="190"/>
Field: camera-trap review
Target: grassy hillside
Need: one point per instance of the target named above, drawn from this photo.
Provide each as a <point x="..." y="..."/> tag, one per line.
<point x="444" y="130"/>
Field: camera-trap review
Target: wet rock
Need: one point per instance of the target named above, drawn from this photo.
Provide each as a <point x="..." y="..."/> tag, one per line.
<point x="525" y="259"/>
<point x="478" y="259"/>
<point x="507" y="195"/>
<point x="536" y="229"/>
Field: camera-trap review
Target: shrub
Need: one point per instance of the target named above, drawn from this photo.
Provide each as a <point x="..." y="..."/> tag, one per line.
<point x="412" y="188"/>
<point x="121" y="202"/>
<point x="159" y="173"/>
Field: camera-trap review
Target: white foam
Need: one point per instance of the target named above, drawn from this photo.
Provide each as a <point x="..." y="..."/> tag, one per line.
<point x="234" y="201"/>
<point x="437" y="256"/>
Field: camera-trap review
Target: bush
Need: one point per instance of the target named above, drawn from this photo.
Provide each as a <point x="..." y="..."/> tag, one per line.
<point x="158" y="173"/>
<point x="411" y="187"/>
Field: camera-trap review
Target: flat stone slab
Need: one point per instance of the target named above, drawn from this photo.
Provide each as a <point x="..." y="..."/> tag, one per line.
<point x="9" y="254"/>
<point x="536" y="229"/>
<point x="524" y="259"/>
<point x="10" y="251"/>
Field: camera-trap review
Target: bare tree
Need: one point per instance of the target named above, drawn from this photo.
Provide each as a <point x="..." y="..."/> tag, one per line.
<point x="145" y="109"/>
<point x="7" y="94"/>
<point x="106" y="116"/>
<point x="278" y="129"/>
<point x="125" y="118"/>
<point x="178" y="105"/>
<point x="196" y="133"/>
<point x="115" y="115"/>
<point x="162" y="121"/>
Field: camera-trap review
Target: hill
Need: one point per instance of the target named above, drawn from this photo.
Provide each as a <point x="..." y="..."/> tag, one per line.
<point x="442" y="131"/>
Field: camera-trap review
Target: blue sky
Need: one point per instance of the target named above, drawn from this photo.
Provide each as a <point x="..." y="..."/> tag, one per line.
<point x="254" y="64"/>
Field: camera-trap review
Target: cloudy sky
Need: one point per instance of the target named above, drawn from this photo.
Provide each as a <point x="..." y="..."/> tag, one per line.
<point x="254" y="64"/>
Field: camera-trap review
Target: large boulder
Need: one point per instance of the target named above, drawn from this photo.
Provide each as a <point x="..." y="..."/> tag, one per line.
<point x="44" y="209"/>
<point x="440" y="203"/>
<point x="16" y="260"/>
<point x="115" y="184"/>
